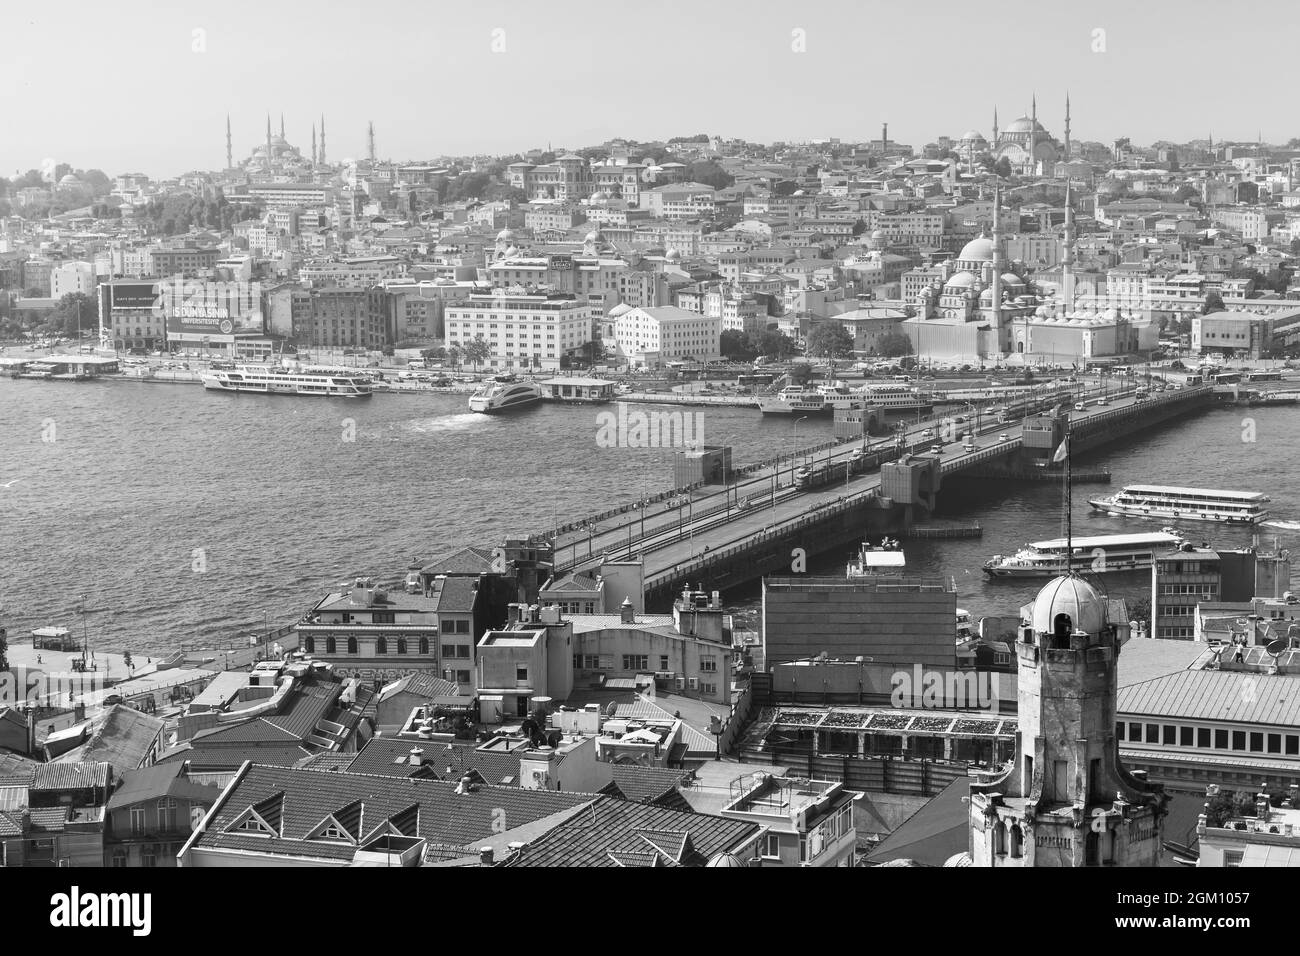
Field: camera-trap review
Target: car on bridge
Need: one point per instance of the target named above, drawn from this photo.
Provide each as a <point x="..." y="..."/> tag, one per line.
<point x="927" y="435"/>
<point x="1080" y="406"/>
<point x="1103" y="401"/>
<point x="1004" y="437"/>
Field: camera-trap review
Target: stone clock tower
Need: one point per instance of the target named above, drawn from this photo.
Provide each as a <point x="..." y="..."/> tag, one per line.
<point x="1067" y="801"/>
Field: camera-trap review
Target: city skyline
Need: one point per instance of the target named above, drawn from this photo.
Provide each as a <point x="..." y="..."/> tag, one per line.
<point x="762" y="72"/>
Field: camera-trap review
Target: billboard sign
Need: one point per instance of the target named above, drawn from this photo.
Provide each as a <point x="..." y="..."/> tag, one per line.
<point x="133" y="295"/>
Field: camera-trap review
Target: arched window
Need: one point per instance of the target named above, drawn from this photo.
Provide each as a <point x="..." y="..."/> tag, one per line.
<point x="424" y="645"/>
<point x="309" y="645"/>
<point x="352" y="645"/>
<point x="1017" y="840"/>
<point x="401" y="645"/>
<point x="381" y="646"/>
<point x="1062" y="627"/>
<point x="330" y="646"/>
<point x="1091" y="846"/>
<point x="119" y="858"/>
<point x="1000" y="839"/>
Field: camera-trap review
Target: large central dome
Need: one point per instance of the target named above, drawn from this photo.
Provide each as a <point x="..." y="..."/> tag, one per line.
<point x="1073" y="597"/>
<point x="979" y="249"/>
<point x="1024" y="125"/>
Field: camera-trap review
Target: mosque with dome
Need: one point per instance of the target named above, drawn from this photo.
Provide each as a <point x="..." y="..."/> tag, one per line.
<point x="1026" y="145"/>
<point x="979" y="308"/>
<point x="276" y="155"/>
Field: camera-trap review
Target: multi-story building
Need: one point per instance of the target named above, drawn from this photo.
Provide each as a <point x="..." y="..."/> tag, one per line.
<point x="132" y="312"/>
<point x="292" y="194"/>
<point x="524" y="330"/>
<point x="548" y="218"/>
<point x="151" y="815"/>
<point x="70" y="277"/>
<point x="651" y="337"/>
<point x="808" y="822"/>
<point x="339" y="316"/>
<point x="361" y="272"/>
<point x="191" y="262"/>
<point x="568" y="179"/>
<point x="1240" y="334"/>
<point x="1182" y="579"/>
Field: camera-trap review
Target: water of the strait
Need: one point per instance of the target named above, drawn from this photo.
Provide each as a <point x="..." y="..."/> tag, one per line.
<point x="183" y="515"/>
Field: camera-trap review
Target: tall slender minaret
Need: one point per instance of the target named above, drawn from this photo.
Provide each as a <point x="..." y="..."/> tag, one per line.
<point x="268" y="140"/>
<point x="282" y="126"/>
<point x="230" y="156"/>
<point x="1067" y="253"/>
<point x="370" y="141"/>
<point x="994" y="143"/>
<point x="997" y="262"/>
<point x="313" y="144"/>
<point x="322" y="139"/>
<point x="1067" y="127"/>
<point x="1033" y="135"/>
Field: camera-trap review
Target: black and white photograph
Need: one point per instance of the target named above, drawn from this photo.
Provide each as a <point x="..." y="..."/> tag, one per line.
<point x="700" y="434"/>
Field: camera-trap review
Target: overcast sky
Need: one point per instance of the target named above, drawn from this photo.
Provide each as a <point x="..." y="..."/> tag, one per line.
<point x="130" y="86"/>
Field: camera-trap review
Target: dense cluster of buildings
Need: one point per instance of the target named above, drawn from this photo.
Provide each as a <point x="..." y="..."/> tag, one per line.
<point x="561" y="258"/>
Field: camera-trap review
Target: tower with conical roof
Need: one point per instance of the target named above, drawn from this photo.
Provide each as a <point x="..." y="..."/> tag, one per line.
<point x="994" y="141"/>
<point x="1066" y="799"/>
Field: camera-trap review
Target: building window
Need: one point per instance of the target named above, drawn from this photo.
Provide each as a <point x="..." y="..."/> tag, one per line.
<point x="1256" y="743"/>
<point x="709" y="665"/>
<point x="521" y="674"/>
<point x="167" y="814"/>
<point x="1169" y="735"/>
<point x="309" y="644"/>
<point x="330" y="646"/>
<point x="663" y="662"/>
<point x="401" y="645"/>
<point x="1203" y="737"/>
<point x="636" y="662"/>
<point x="1153" y="733"/>
<point x="352" y="645"/>
<point x="1233" y="858"/>
<point x="381" y="646"/>
<point x="1135" y="733"/>
<point x="770" y="848"/>
<point x="137" y="821"/>
<point x="1185" y="737"/>
<point x="119" y="858"/>
<point x="424" y="645"/>
<point x="1275" y="743"/>
<point x="1220" y="740"/>
<point x="148" y="857"/>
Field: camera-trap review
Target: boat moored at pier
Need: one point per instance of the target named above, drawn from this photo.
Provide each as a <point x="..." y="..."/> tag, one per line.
<point x="269" y="380"/>
<point x="1100" y="554"/>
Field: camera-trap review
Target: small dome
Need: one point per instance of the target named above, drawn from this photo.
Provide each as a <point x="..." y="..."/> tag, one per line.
<point x="979" y="249"/>
<point x="972" y="136"/>
<point x="69" y="180"/>
<point x="673" y="255"/>
<point x="593" y="236"/>
<point x="1076" y="599"/>
<point x="505" y="235"/>
<point x="1012" y="278"/>
<point x="877" y="234"/>
<point x="961" y="280"/>
<point x="903" y="861"/>
<point x="959" y="859"/>
<point x="725" y="859"/>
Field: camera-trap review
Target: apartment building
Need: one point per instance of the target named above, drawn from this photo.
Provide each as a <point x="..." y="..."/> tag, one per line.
<point x="525" y="330"/>
<point x="652" y="337"/>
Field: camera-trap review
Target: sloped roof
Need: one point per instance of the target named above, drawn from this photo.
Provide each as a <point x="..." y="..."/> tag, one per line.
<point x="422" y="684"/>
<point x="389" y="757"/>
<point x="622" y="833"/>
<point x="432" y="809"/>
<point x="466" y="561"/>
<point x="123" y="738"/>
<point x="70" y="776"/>
<point x="160" y="780"/>
<point x="651" y="784"/>
<point x="933" y="833"/>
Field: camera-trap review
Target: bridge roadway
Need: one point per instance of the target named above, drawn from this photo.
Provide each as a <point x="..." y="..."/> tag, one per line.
<point x="767" y="504"/>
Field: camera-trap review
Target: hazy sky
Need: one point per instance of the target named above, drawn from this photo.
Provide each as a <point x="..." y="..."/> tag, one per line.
<point x="130" y="86"/>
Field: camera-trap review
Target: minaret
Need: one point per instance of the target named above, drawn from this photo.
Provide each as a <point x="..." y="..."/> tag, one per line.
<point x="994" y="143"/>
<point x="282" y="126"/>
<point x="370" y="141"/>
<point x="884" y="138"/>
<point x="1067" y="253"/>
<point x="268" y="140"/>
<point x="996" y="284"/>
<point x="322" y="139"/>
<point x="313" y="144"/>
<point x="1066" y="800"/>
<point x="1067" y="128"/>
<point x="230" y="156"/>
<point x="1033" y="134"/>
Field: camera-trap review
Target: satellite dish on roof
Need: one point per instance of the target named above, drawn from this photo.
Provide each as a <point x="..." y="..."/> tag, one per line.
<point x="1277" y="647"/>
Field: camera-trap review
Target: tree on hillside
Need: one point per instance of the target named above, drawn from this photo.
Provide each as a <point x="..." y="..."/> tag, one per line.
<point x="773" y="344"/>
<point x="829" y="340"/>
<point x="1185" y="193"/>
<point x="893" y="345"/>
<point x="710" y="174"/>
<point x="73" y="311"/>
<point x="1003" y="168"/>
<point x="1213" y="303"/>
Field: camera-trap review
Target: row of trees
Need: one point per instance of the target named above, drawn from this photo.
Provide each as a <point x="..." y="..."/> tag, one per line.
<point x="744" y="347"/>
<point x="475" y="352"/>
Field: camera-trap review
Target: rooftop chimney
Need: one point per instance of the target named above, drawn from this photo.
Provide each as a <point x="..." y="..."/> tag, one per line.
<point x="416" y="757"/>
<point x="627" y="613"/>
<point x="485" y="856"/>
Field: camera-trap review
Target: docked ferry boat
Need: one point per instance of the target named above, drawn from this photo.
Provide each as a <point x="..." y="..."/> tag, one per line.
<point x="496" y="397"/>
<point x="1101" y="554"/>
<point x="269" y="380"/>
<point x="1185" y="504"/>
<point x="796" y="400"/>
<point x="897" y="398"/>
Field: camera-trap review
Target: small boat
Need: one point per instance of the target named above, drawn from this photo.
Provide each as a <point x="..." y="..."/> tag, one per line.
<point x="796" y="400"/>
<point x="496" y="397"/>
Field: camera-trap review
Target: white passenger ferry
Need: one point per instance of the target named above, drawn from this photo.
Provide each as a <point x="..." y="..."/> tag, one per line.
<point x="1186" y="504"/>
<point x="495" y="397"/>
<point x="897" y="398"/>
<point x="1102" y="554"/>
<point x="269" y="380"/>
<point x="796" y="400"/>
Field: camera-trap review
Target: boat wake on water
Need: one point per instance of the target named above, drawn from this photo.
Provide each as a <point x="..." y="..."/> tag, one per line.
<point x="1284" y="525"/>
<point x="447" y="423"/>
